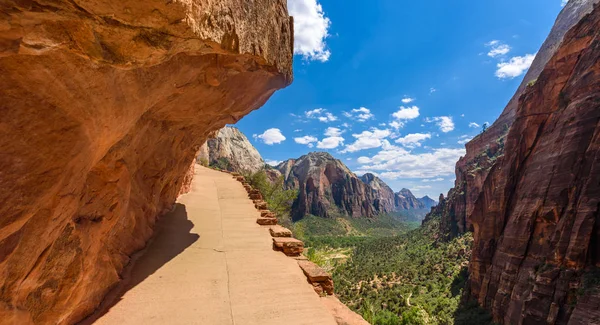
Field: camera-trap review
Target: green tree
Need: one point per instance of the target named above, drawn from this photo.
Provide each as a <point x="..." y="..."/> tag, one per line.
<point x="278" y="199"/>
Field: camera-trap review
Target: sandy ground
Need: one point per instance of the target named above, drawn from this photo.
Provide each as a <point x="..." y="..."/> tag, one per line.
<point x="210" y="263"/>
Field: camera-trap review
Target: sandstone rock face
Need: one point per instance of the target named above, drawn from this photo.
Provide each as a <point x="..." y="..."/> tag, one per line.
<point x="104" y="105"/>
<point x="483" y="151"/>
<point x="405" y="200"/>
<point x="427" y="202"/>
<point x="327" y="188"/>
<point x="232" y="145"/>
<point x="385" y="198"/>
<point x="536" y="221"/>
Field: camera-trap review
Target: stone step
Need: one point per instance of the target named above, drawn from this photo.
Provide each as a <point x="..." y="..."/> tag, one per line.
<point x="279" y="231"/>
<point x="260" y="204"/>
<point x="319" y="278"/>
<point x="266" y="221"/>
<point x="267" y="214"/>
<point x="289" y="246"/>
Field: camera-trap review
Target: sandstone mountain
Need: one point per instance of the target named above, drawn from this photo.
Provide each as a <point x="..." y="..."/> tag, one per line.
<point x="405" y="200"/>
<point x="231" y="150"/>
<point x="427" y="202"/>
<point x="528" y="187"/>
<point x="104" y="106"/>
<point x="327" y="188"/>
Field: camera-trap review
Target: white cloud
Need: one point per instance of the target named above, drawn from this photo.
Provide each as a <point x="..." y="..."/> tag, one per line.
<point x="497" y="48"/>
<point x="361" y="114"/>
<point x="465" y="138"/>
<point x="298" y="130"/>
<point x="307" y="140"/>
<point x="407" y="100"/>
<point x="396" y="125"/>
<point x="270" y="136"/>
<point x="320" y="114"/>
<point x="515" y="67"/>
<point x="413" y="140"/>
<point x="445" y="123"/>
<point x="368" y="140"/>
<point x="333" y="132"/>
<point x="406" y="113"/>
<point x="564" y="3"/>
<point x="396" y="162"/>
<point x="474" y="125"/>
<point x="432" y="90"/>
<point x="272" y="162"/>
<point x="428" y="180"/>
<point x="330" y="143"/>
<point x="418" y="188"/>
<point x="310" y="29"/>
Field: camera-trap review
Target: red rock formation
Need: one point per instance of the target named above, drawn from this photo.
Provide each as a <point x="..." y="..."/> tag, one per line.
<point x="103" y="107"/>
<point x="482" y="152"/>
<point x="326" y="188"/>
<point x="536" y="221"/>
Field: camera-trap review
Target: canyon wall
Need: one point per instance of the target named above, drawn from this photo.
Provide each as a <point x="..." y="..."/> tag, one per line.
<point x="536" y="220"/>
<point x="483" y="151"/>
<point x="103" y="106"/>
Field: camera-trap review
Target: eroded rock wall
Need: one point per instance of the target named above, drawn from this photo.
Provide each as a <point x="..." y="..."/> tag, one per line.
<point x="536" y="222"/>
<point x="103" y="106"/>
<point x="483" y="151"/>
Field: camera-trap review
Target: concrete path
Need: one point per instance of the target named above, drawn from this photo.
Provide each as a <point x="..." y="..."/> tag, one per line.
<point x="212" y="264"/>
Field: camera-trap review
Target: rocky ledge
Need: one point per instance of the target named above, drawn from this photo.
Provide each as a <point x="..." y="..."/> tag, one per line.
<point x="104" y="105"/>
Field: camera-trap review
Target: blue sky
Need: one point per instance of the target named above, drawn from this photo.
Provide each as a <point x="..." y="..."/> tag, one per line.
<point x="397" y="87"/>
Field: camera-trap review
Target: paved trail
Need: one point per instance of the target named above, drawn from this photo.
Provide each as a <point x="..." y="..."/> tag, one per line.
<point x="212" y="264"/>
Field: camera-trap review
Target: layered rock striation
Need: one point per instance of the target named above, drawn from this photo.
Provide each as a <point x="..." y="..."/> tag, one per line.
<point x="103" y="108"/>
<point x="536" y="220"/>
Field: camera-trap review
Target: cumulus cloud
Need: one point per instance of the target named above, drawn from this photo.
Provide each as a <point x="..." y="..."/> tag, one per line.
<point x="306" y="140"/>
<point x="406" y="113"/>
<point x="272" y="162"/>
<point x="395" y="162"/>
<point x="407" y="100"/>
<point x="474" y="125"/>
<point x="320" y="114"/>
<point x="330" y="143"/>
<point x="515" y="67"/>
<point x="497" y="48"/>
<point x="361" y="114"/>
<point x="270" y="137"/>
<point x="310" y="29"/>
<point x="464" y="139"/>
<point x="333" y="132"/>
<point x="368" y="140"/>
<point x="413" y="140"/>
<point x="432" y="90"/>
<point x="564" y="3"/>
<point x="445" y="123"/>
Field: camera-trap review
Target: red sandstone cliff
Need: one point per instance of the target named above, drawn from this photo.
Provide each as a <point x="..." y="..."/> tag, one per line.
<point x="536" y="220"/>
<point x="103" y="105"/>
<point x="483" y="151"/>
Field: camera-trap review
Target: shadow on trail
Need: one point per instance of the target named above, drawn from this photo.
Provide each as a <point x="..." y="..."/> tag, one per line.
<point x="172" y="238"/>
